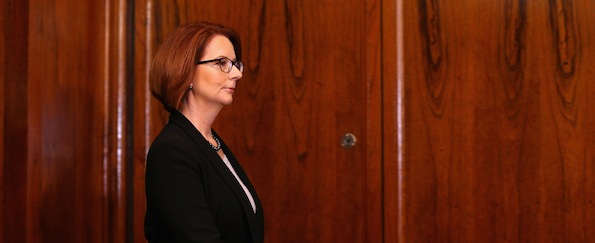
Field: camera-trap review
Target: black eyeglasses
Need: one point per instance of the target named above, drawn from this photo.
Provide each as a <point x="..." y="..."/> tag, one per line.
<point x="225" y="64"/>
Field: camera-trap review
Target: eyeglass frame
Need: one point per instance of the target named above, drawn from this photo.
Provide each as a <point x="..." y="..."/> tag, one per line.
<point x="237" y="63"/>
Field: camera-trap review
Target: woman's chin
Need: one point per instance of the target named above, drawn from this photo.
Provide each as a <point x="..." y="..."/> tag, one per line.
<point x="228" y="102"/>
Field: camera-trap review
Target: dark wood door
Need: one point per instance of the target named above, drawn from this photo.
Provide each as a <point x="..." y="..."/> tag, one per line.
<point x="312" y="75"/>
<point x="498" y="130"/>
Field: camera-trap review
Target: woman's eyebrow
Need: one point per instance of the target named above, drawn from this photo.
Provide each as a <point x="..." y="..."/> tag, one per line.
<point x="223" y="56"/>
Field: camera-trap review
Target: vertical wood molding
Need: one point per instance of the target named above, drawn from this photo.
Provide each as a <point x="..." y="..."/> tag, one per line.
<point x="115" y="160"/>
<point x="142" y="97"/>
<point x="149" y="115"/>
<point x="14" y="162"/>
<point x="392" y="118"/>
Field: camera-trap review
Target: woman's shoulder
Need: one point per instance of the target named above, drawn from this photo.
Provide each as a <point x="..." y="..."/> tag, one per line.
<point x="171" y="138"/>
<point x="172" y="149"/>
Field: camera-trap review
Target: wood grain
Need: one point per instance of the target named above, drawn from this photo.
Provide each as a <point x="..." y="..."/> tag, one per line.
<point x="498" y="129"/>
<point x="473" y="118"/>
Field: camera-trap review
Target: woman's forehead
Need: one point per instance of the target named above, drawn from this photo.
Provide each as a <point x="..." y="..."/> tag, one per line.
<point x="219" y="46"/>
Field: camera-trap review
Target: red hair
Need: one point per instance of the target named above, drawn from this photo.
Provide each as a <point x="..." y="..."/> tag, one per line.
<point x="173" y="67"/>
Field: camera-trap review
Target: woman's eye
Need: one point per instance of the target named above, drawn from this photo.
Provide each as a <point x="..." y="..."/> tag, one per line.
<point x="224" y="62"/>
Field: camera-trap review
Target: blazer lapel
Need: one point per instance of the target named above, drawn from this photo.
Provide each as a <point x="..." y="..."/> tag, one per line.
<point x="219" y="165"/>
<point x="256" y="219"/>
<point x="242" y="174"/>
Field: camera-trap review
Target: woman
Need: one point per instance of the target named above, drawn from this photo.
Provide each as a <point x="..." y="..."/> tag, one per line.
<point x="195" y="188"/>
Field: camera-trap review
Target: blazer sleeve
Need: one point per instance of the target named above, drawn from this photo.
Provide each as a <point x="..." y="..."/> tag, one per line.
<point x="175" y="194"/>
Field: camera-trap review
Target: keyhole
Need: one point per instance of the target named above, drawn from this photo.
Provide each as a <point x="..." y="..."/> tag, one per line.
<point x="348" y="140"/>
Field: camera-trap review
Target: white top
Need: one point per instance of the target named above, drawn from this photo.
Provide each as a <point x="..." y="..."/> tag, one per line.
<point x="228" y="164"/>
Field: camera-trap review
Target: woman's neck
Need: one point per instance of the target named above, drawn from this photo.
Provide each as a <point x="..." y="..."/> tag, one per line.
<point x="201" y="117"/>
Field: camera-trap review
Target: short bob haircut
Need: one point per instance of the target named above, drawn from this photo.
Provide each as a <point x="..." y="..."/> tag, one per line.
<point x="174" y="64"/>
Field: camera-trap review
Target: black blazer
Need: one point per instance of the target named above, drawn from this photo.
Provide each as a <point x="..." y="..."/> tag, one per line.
<point x="191" y="194"/>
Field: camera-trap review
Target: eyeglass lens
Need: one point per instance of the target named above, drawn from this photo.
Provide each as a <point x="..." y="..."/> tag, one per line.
<point x="226" y="65"/>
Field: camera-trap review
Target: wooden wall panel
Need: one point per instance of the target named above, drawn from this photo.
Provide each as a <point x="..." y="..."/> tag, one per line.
<point x="64" y="120"/>
<point x="498" y="129"/>
<point x="77" y="119"/>
<point x="486" y="122"/>
<point x="312" y="74"/>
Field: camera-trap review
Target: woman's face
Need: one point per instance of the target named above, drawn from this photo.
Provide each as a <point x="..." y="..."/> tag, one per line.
<point x="212" y="86"/>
